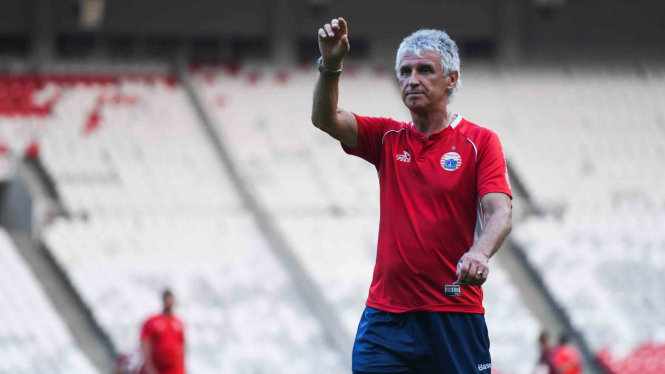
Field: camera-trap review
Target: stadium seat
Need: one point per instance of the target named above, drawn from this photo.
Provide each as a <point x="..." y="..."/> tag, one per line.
<point x="33" y="337"/>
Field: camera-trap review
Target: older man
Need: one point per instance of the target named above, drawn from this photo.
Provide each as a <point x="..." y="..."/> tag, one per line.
<point x="445" y="210"/>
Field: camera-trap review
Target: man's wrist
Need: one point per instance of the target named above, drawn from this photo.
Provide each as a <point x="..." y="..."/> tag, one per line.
<point x="479" y="252"/>
<point x="332" y="65"/>
<point x="329" y="68"/>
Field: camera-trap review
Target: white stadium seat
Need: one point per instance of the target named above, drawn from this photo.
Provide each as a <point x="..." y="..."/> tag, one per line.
<point x="33" y="337"/>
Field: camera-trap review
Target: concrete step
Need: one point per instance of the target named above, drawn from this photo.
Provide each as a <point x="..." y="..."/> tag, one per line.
<point x="87" y="334"/>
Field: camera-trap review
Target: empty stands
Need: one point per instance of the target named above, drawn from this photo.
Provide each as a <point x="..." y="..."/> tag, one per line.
<point x="572" y="129"/>
<point x="33" y="337"/>
<point x="151" y="207"/>
<point x="240" y="311"/>
<point x="513" y="330"/>
<point x="313" y="191"/>
<point x="648" y="358"/>
<point x="587" y="142"/>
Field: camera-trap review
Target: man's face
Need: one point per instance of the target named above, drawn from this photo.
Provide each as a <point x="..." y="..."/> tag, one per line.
<point x="422" y="82"/>
<point x="169" y="301"/>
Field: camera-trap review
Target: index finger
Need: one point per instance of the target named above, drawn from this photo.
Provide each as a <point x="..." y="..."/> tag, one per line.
<point x="342" y="26"/>
<point x="463" y="272"/>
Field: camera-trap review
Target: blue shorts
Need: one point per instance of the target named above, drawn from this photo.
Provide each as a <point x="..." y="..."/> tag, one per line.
<point x="421" y="343"/>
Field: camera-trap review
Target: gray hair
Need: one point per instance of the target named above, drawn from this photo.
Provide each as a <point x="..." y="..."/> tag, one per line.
<point x="435" y="41"/>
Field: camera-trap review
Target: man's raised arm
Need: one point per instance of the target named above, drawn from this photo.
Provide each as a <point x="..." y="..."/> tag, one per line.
<point x="338" y="123"/>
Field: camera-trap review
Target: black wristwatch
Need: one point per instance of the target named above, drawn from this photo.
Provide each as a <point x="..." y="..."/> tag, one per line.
<point x="326" y="72"/>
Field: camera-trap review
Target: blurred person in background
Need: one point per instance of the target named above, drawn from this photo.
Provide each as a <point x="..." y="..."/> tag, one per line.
<point x="445" y="210"/>
<point x="163" y="341"/>
<point x="130" y="363"/>
<point x="565" y="358"/>
<point x="544" y="364"/>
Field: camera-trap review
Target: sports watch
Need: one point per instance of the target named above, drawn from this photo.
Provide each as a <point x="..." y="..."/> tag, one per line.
<point x="325" y="72"/>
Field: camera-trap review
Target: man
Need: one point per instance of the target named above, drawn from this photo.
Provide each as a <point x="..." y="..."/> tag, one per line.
<point x="544" y="364"/>
<point x="163" y="341"/>
<point x="565" y="358"/>
<point x="445" y="210"/>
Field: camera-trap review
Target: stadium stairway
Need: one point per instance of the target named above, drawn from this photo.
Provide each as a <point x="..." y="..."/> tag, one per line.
<point x="86" y="332"/>
<point x="334" y="330"/>
<point x="532" y="288"/>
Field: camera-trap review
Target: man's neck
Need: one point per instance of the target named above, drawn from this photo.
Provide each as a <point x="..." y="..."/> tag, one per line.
<point x="430" y="122"/>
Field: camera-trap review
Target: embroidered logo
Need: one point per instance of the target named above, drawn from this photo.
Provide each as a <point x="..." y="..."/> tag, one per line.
<point x="451" y="161"/>
<point x="482" y="367"/>
<point x="405" y="157"/>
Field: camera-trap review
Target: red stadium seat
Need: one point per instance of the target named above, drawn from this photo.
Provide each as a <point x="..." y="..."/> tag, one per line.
<point x="282" y="76"/>
<point x="646" y="359"/>
<point x="92" y="122"/>
<point x="32" y="150"/>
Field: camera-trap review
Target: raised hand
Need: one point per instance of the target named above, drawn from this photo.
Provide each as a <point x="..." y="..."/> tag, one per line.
<point x="334" y="43"/>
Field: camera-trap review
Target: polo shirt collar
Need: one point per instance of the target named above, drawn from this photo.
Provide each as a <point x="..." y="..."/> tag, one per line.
<point x="440" y="133"/>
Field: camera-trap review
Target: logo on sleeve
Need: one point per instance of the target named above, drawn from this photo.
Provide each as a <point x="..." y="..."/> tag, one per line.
<point x="451" y="161"/>
<point x="405" y="157"/>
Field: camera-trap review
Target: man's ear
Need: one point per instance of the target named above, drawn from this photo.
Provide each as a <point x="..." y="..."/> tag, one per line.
<point x="454" y="76"/>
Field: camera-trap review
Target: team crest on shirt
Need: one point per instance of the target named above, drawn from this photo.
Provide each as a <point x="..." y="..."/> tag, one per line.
<point x="451" y="161"/>
<point x="404" y="157"/>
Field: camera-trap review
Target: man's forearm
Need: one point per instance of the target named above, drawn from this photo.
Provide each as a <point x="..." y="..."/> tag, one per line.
<point x="326" y="96"/>
<point x="496" y="229"/>
<point x="146" y="347"/>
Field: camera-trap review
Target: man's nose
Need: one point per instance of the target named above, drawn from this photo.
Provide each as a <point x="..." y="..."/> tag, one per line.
<point x="414" y="80"/>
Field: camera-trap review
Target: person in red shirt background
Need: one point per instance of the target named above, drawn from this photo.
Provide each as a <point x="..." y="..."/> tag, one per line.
<point x="565" y="358"/>
<point x="544" y="364"/>
<point x="163" y="341"/>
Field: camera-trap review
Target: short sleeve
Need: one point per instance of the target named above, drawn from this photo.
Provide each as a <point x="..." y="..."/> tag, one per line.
<point x="146" y="330"/>
<point x="370" y="133"/>
<point x="492" y="170"/>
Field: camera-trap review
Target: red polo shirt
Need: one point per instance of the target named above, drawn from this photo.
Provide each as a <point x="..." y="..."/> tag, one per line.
<point x="430" y="209"/>
<point x="567" y="356"/>
<point x="166" y="333"/>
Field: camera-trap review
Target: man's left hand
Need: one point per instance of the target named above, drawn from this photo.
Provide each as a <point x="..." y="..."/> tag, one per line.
<point x="472" y="269"/>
